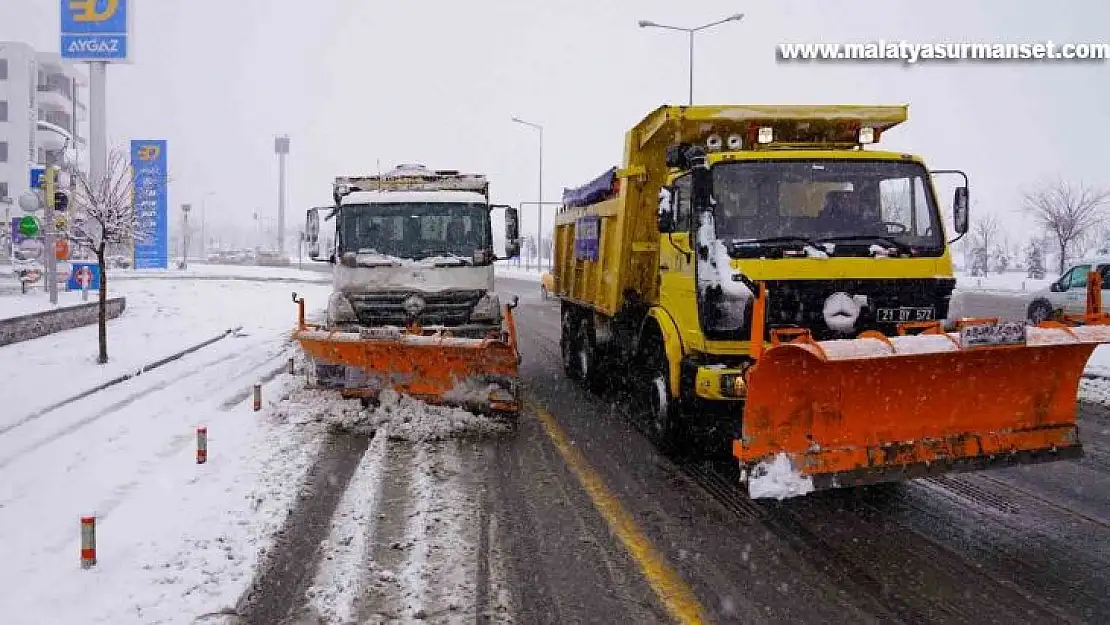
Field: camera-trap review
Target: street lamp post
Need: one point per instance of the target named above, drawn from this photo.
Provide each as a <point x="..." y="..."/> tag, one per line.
<point x="539" y="213"/>
<point x="185" y="208"/>
<point x="690" y="31"/>
<point x="203" y="213"/>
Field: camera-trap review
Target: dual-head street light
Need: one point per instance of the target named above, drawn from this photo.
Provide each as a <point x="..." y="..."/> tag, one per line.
<point x="690" y="31"/>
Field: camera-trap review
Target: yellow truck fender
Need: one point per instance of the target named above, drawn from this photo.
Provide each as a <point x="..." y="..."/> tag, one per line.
<point x="672" y="343"/>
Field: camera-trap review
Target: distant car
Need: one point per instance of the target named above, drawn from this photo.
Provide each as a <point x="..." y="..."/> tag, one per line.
<point x="272" y="259"/>
<point x="1068" y="294"/>
<point x="547" y="284"/>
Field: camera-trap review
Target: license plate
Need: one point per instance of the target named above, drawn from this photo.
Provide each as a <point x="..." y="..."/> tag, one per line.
<point x="993" y="334"/>
<point x="896" y="315"/>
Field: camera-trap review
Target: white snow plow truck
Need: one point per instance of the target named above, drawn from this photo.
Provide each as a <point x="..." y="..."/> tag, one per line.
<point x="413" y="306"/>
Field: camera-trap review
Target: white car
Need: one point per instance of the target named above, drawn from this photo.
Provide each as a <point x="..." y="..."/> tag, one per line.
<point x="1068" y="295"/>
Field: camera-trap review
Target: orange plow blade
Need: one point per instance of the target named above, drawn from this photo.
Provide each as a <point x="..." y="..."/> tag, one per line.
<point x="478" y="374"/>
<point x="879" y="409"/>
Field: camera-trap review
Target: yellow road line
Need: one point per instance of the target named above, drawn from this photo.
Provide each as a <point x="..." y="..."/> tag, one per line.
<point x="675" y="594"/>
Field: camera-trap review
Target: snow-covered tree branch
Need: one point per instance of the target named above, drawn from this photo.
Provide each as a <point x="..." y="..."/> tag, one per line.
<point x="107" y="208"/>
<point x="1069" y="212"/>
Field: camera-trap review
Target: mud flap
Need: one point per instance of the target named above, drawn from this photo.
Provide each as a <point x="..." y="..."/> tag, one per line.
<point x="879" y="409"/>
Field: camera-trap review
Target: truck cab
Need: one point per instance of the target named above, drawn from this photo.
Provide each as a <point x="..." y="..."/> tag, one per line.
<point x="412" y="247"/>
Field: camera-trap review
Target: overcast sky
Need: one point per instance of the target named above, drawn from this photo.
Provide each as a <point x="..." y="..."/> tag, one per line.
<point x="354" y="81"/>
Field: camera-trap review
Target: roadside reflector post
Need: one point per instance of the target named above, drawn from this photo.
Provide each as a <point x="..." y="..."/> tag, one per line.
<point x="291" y="366"/>
<point x="257" y="397"/>
<point x="202" y="445"/>
<point x="88" y="542"/>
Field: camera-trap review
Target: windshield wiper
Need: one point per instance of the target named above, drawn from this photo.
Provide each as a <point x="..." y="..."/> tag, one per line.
<point x="895" y="243"/>
<point x="766" y="240"/>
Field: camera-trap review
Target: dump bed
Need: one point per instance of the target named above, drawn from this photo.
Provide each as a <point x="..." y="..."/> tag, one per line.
<point x="606" y="235"/>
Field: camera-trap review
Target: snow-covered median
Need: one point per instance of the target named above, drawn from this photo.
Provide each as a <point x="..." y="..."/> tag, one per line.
<point x="176" y="541"/>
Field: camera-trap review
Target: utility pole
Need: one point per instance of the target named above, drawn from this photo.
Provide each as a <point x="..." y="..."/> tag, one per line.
<point x="281" y="147"/>
<point x="185" y="208"/>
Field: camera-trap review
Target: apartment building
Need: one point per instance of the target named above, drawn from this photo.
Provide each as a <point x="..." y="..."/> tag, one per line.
<point x="42" y="112"/>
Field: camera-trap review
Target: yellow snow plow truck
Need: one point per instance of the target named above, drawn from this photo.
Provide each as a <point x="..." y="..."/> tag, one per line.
<point x="767" y="279"/>
<point x="413" y="306"/>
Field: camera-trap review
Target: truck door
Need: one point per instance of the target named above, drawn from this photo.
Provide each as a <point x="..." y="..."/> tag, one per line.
<point x="1075" y="282"/>
<point x="678" y="292"/>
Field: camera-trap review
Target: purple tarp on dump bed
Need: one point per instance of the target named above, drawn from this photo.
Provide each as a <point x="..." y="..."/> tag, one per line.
<point x="592" y="191"/>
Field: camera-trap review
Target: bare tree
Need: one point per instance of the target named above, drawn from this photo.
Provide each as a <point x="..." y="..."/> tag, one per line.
<point x="1067" y="211"/>
<point x="984" y="233"/>
<point x="108" y="208"/>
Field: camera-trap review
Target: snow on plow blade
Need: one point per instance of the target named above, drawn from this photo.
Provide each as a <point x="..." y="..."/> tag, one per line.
<point x="879" y="409"/>
<point x="479" y="374"/>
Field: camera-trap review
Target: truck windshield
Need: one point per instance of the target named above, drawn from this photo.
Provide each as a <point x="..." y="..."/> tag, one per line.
<point x="844" y="201"/>
<point x="415" y="230"/>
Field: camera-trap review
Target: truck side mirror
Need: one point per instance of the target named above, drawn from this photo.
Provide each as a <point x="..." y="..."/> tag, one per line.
<point x="960" y="210"/>
<point x="701" y="188"/>
<point x="512" y="231"/>
<point x="312" y="232"/>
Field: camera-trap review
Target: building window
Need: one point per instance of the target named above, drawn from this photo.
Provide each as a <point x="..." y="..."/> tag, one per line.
<point x="3" y="110"/>
<point x="3" y="69"/>
<point x="3" y="151"/>
<point x="3" y="190"/>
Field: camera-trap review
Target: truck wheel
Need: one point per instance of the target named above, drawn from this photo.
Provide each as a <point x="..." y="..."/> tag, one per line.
<point x="1040" y="310"/>
<point x="652" y="399"/>
<point x="568" y="345"/>
<point x="586" y="360"/>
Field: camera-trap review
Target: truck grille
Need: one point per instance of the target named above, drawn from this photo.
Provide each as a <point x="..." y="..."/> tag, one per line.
<point x="800" y="303"/>
<point x="446" y="308"/>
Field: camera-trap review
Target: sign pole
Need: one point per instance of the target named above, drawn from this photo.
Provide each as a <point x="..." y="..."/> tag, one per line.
<point x="51" y="261"/>
<point x="98" y="131"/>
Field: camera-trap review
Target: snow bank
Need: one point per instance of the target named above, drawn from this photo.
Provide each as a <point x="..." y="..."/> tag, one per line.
<point x="518" y="272"/>
<point x="778" y="479"/>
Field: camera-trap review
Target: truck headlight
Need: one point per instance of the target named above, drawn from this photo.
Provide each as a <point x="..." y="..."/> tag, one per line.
<point x="487" y="309"/>
<point x="340" y="310"/>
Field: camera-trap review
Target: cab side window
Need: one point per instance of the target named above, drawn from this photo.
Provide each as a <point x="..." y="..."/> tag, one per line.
<point x="683" y="193"/>
<point x="1078" y="277"/>
<point x="1104" y="273"/>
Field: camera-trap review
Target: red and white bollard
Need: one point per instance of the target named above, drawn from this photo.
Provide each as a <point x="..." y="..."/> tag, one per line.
<point x="88" y="542"/>
<point x="257" y="397"/>
<point x="202" y="445"/>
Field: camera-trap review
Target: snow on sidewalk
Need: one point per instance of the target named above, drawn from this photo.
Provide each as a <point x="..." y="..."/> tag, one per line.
<point x="162" y="317"/>
<point x="175" y="539"/>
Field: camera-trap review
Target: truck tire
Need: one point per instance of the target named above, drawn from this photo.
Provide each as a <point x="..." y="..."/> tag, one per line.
<point x="652" y="400"/>
<point x="586" y="356"/>
<point x="568" y="343"/>
<point x="1040" y="310"/>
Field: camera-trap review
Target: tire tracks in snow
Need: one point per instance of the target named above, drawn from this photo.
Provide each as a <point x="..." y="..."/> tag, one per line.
<point x="404" y="537"/>
<point x="252" y="360"/>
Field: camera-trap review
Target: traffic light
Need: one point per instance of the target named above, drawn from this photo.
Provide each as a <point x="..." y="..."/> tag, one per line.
<point x="61" y="200"/>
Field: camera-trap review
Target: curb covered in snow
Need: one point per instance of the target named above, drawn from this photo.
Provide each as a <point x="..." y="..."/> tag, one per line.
<point x="114" y="381"/>
<point x="39" y="324"/>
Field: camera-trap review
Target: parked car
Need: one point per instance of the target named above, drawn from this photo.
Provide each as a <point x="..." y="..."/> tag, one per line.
<point x="1068" y="294"/>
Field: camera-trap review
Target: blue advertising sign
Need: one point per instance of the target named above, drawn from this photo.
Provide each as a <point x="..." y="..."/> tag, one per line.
<point x="17" y="236"/>
<point x="95" y="30"/>
<point x="83" y="276"/>
<point x="587" y="235"/>
<point x="37" y="174"/>
<point x="148" y="164"/>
